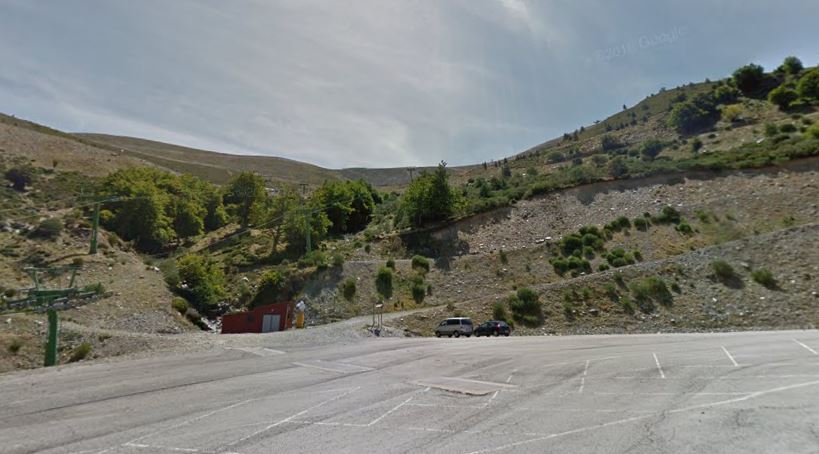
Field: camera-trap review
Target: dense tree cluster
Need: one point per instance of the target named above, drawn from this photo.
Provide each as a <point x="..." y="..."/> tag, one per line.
<point x="429" y="198"/>
<point x="156" y="207"/>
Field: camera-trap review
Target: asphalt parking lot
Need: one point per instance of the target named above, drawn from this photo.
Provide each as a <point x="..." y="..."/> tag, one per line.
<point x="740" y="392"/>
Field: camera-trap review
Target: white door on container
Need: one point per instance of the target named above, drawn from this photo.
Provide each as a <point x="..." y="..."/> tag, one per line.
<point x="270" y="323"/>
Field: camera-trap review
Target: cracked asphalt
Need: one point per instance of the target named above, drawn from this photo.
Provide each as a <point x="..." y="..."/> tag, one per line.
<point x="753" y="392"/>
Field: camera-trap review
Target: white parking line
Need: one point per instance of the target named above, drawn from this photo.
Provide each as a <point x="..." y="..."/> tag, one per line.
<point x="733" y="361"/>
<point x="374" y="421"/>
<point x="659" y="368"/>
<point x="291" y="417"/>
<point x="583" y="378"/>
<point x="808" y="348"/>
<point x="509" y="446"/>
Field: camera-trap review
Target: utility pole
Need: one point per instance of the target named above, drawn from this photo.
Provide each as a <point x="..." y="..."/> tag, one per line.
<point x="51" y="342"/>
<point x="307" y="214"/>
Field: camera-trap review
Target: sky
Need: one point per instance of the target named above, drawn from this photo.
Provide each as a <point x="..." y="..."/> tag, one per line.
<point x="373" y="83"/>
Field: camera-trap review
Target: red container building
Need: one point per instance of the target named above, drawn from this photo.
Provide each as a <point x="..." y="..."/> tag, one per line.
<point x="262" y="319"/>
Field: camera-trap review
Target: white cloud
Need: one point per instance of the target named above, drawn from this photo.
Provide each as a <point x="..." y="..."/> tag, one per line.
<point x="364" y="83"/>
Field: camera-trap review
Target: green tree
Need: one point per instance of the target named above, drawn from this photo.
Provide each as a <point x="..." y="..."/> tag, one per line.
<point x="791" y="65"/>
<point x="271" y="289"/>
<point x="383" y="282"/>
<point x="216" y="216"/>
<point x="280" y="214"/>
<point x="204" y="280"/>
<point x="429" y="198"/>
<point x="808" y="86"/>
<point x="782" y="96"/>
<point x="142" y="218"/>
<point x="349" y="204"/>
<point x="247" y="194"/>
<point x="749" y="77"/>
<point x="188" y="218"/>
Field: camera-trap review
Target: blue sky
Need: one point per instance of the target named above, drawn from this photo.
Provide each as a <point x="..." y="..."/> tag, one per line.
<point x="376" y="83"/>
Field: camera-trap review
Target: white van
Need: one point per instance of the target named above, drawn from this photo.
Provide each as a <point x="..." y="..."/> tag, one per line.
<point x="454" y="326"/>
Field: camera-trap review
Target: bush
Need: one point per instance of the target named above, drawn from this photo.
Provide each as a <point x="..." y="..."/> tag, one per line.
<point x="204" y="280"/>
<point x="503" y="258"/>
<point x="791" y="65"/>
<point x="420" y="263"/>
<point x="499" y="312"/>
<point x="560" y="265"/>
<point x="771" y="129"/>
<point x="668" y="215"/>
<point x="571" y="243"/>
<point x="271" y="287"/>
<point x="19" y="178"/>
<point x="15" y="345"/>
<point x="602" y="267"/>
<point x="749" y="78"/>
<point x="179" y="305"/>
<point x="49" y="228"/>
<point x="651" y="148"/>
<point x="383" y="282"/>
<point x="608" y="143"/>
<point x="650" y="290"/>
<point x="526" y="308"/>
<point x="726" y="94"/>
<point x="788" y="127"/>
<point x="80" y="352"/>
<point x="684" y="227"/>
<point x="418" y="291"/>
<point x="765" y="278"/>
<point x="641" y="224"/>
<point x="782" y="96"/>
<point x="723" y="270"/>
<point x="391" y="264"/>
<point x="618" y="167"/>
<point x="813" y="131"/>
<point x="348" y="288"/>
<point x="338" y="261"/>
<point x="808" y="86"/>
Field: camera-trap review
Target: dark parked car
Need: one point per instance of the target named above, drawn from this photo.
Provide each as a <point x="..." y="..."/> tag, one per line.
<point x="492" y="328"/>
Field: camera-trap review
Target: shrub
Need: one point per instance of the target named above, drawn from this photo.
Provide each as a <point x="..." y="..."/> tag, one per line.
<point x="618" y="167"/>
<point x="723" y="270"/>
<point x="560" y="265"/>
<point x="391" y="264"/>
<point x="418" y="291"/>
<point x="764" y="277"/>
<point x="637" y="255"/>
<point x="555" y="157"/>
<point x="15" y="345"/>
<point x="571" y="243"/>
<point x="503" y="258"/>
<point x="668" y="215"/>
<point x="420" y="263"/>
<point x="771" y="129"/>
<point x="179" y="305"/>
<point x="383" y="282"/>
<point x="782" y="96"/>
<point x="608" y="143"/>
<point x="348" y="288"/>
<point x="788" y="127"/>
<point x="80" y="352"/>
<point x="813" y="131"/>
<point x="49" y="228"/>
<point x="749" y="77"/>
<point x="499" y="312"/>
<point x="526" y="308"/>
<point x="651" y="148"/>
<point x="338" y="261"/>
<point x="602" y="267"/>
<point x="650" y="290"/>
<point x="684" y="227"/>
<point x="628" y="305"/>
<point x="808" y="86"/>
<point x="641" y="224"/>
<point x="271" y="288"/>
<point x="791" y="65"/>
<point x="19" y="178"/>
<point x="725" y="94"/>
